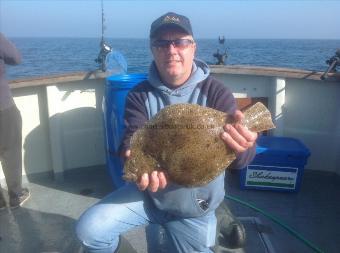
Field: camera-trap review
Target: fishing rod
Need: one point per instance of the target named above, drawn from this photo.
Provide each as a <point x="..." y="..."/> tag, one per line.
<point x="105" y="48"/>
<point x="333" y="62"/>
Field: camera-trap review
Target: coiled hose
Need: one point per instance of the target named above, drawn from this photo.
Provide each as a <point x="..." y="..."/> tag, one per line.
<point x="277" y="221"/>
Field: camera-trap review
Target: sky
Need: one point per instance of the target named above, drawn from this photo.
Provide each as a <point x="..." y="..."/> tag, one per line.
<point x="132" y="19"/>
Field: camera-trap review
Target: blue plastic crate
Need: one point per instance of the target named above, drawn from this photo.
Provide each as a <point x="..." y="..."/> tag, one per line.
<point x="278" y="165"/>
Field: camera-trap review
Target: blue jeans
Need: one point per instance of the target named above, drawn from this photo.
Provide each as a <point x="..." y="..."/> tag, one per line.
<point x="99" y="227"/>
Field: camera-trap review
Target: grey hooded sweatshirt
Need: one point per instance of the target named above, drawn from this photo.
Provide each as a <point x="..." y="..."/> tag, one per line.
<point x="148" y="98"/>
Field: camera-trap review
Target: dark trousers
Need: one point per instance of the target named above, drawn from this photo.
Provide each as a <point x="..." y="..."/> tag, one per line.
<point x="11" y="148"/>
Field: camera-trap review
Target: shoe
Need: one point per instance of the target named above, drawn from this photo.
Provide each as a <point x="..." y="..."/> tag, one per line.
<point x="235" y="236"/>
<point x="16" y="200"/>
<point x="230" y="232"/>
<point x="124" y="246"/>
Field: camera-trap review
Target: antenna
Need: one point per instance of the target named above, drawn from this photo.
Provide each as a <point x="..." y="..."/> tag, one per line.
<point x="104" y="47"/>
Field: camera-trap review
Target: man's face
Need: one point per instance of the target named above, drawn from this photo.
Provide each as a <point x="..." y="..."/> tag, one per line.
<point x="174" y="63"/>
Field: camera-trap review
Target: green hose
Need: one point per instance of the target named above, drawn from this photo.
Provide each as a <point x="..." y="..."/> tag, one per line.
<point x="277" y="221"/>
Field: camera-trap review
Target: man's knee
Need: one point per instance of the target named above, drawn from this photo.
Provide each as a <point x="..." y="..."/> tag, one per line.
<point x="92" y="237"/>
<point x="84" y="232"/>
<point x="192" y="235"/>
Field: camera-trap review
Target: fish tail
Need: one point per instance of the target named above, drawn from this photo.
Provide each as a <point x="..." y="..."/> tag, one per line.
<point x="258" y="118"/>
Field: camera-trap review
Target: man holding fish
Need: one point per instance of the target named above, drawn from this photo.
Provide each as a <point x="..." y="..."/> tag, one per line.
<point x="187" y="214"/>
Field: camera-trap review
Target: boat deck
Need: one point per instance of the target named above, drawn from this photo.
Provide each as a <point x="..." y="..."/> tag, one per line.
<point x="46" y="221"/>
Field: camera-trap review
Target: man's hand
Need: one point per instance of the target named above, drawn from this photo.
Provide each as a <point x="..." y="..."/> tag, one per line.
<point x="154" y="181"/>
<point x="239" y="138"/>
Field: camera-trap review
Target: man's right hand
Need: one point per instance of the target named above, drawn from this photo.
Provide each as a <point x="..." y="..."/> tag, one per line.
<point x="154" y="181"/>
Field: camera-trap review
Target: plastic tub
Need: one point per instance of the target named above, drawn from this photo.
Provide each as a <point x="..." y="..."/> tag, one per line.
<point x="116" y="90"/>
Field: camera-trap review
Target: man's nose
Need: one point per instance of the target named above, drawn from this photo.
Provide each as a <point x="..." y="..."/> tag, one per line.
<point x="172" y="48"/>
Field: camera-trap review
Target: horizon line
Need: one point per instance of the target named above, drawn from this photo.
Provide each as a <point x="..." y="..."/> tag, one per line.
<point x="197" y="38"/>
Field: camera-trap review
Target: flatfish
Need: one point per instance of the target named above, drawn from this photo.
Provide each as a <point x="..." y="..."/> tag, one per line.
<point x="184" y="140"/>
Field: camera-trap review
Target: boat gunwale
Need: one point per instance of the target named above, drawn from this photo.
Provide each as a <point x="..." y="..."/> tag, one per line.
<point x="273" y="72"/>
<point x="215" y="69"/>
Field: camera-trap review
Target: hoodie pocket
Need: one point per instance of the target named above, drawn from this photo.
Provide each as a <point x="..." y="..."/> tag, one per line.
<point x="183" y="202"/>
<point x="190" y="202"/>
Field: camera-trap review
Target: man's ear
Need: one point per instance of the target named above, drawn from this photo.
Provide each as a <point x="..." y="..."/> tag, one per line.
<point x="194" y="45"/>
<point x="151" y="48"/>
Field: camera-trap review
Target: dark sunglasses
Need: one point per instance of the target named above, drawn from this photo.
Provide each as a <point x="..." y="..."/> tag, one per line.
<point x="178" y="43"/>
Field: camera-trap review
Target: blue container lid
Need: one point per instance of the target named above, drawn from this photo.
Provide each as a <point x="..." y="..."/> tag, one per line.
<point x="281" y="146"/>
<point x="125" y="81"/>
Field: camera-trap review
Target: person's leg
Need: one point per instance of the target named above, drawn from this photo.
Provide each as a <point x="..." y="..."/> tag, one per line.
<point x="2" y="136"/>
<point x="11" y="145"/>
<point x="11" y="155"/>
<point x="194" y="235"/>
<point x="100" y="226"/>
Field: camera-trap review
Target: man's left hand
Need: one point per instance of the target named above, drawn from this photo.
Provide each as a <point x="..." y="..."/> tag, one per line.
<point x="238" y="137"/>
<point x="155" y="181"/>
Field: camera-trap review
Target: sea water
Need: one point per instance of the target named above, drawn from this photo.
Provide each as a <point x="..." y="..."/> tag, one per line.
<point x="50" y="56"/>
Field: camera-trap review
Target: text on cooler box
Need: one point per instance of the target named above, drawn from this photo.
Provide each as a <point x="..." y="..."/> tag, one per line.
<point x="271" y="176"/>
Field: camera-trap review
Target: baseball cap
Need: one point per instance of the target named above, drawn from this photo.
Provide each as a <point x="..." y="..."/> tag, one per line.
<point x="171" y="19"/>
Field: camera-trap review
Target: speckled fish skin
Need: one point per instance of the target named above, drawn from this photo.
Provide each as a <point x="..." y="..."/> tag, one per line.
<point x="184" y="140"/>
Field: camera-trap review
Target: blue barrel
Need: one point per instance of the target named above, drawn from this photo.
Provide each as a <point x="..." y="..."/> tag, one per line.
<point x="116" y="90"/>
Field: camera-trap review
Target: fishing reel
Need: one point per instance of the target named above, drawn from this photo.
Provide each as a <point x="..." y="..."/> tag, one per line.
<point x="333" y="63"/>
<point x="221" y="56"/>
<point x="105" y="49"/>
